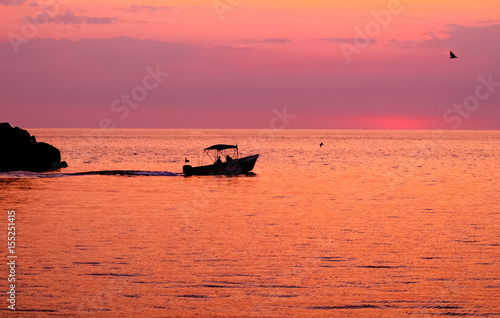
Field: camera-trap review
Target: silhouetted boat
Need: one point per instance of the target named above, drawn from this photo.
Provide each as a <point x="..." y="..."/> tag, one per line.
<point x="230" y="166"/>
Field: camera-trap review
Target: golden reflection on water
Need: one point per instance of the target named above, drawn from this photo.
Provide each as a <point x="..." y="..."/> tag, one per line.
<point x="370" y="225"/>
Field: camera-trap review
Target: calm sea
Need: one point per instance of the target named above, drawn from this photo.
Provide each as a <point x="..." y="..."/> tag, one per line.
<point x="372" y="224"/>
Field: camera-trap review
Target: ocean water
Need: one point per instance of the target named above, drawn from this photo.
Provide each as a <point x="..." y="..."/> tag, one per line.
<point x="372" y="224"/>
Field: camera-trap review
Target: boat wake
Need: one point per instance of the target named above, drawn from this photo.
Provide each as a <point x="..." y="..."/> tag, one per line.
<point x="129" y="173"/>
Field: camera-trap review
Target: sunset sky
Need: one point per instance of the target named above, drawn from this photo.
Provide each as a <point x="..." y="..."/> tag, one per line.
<point x="250" y="64"/>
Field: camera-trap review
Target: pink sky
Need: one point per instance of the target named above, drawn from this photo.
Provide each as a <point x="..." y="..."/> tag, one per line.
<point x="235" y="63"/>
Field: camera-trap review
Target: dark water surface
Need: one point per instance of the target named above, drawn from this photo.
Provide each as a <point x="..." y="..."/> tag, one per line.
<point x="372" y="224"/>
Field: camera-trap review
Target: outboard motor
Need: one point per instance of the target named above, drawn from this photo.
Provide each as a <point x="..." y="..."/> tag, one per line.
<point x="188" y="170"/>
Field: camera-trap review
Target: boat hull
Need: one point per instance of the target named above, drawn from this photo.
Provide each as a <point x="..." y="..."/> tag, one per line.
<point x="233" y="167"/>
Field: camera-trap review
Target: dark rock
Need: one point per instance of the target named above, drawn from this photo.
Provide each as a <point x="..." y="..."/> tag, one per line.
<point x="19" y="151"/>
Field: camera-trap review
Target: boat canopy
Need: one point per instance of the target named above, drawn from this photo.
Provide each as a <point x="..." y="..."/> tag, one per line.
<point x="221" y="147"/>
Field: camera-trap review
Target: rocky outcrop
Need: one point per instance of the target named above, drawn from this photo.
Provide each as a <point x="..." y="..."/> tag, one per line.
<point x="19" y="151"/>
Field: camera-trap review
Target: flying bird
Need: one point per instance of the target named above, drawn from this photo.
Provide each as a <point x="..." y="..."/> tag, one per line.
<point x="321" y="144"/>
<point x="452" y="55"/>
